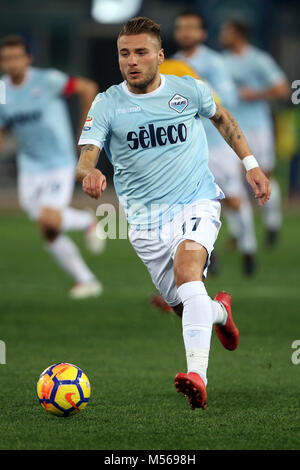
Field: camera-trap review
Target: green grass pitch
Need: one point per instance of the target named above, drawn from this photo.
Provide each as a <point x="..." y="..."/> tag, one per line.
<point x="131" y="352"/>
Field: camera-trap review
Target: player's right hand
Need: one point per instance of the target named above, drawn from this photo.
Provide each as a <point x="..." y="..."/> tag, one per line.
<point x="260" y="185"/>
<point x="94" y="183"/>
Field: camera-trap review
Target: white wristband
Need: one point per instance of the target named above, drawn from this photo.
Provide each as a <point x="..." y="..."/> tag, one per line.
<point x="250" y="162"/>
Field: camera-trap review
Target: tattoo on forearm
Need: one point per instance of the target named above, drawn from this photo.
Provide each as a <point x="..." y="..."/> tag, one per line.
<point x="87" y="148"/>
<point x="230" y="128"/>
<point x="87" y="161"/>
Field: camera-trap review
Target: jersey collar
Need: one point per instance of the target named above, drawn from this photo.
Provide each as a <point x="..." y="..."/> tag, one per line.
<point x="145" y="95"/>
<point x="27" y="77"/>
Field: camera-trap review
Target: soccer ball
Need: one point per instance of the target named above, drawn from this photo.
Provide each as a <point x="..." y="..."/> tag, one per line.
<point x="63" y="389"/>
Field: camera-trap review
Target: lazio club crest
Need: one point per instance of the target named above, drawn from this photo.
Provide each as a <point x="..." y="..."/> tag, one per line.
<point x="178" y="103"/>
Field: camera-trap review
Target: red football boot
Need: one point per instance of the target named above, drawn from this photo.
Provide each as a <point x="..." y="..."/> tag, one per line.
<point x="192" y="386"/>
<point x="228" y="334"/>
<point x="158" y="302"/>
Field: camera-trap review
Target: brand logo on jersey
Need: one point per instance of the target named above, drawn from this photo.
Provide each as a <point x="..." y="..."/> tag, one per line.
<point x="88" y="123"/>
<point x="178" y="103"/>
<point x="133" y="109"/>
<point x="152" y="136"/>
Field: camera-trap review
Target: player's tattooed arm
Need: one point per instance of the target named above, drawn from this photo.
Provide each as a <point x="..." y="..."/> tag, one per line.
<point x="87" y="161"/>
<point x="88" y="148"/>
<point x="93" y="180"/>
<point x="231" y="131"/>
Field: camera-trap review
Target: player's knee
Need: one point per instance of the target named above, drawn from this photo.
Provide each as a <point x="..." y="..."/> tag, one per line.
<point x="189" y="262"/>
<point x="187" y="272"/>
<point x="49" y="223"/>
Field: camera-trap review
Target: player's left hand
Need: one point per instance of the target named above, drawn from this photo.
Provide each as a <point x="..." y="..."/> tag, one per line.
<point x="260" y="185"/>
<point x="248" y="94"/>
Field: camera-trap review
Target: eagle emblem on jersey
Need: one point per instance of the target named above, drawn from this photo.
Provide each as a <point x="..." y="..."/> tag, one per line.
<point x="178" y="103"/>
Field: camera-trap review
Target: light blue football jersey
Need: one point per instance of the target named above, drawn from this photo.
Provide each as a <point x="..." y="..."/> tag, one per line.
<point x="157" y="146"/>
<point x="38" y="116"/>
<point x="254" y="69"/>
<point x="211" y="67"/>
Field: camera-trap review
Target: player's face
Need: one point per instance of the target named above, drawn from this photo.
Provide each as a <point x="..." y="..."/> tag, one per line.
<point x="140" y="56"/>
<point x="227" y="36"/>
<point x="188" y="32"/>
<point x="14" y="61"/>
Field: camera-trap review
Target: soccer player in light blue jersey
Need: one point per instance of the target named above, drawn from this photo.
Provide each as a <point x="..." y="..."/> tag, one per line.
<point x="260" y="81"/>
<point x="190" y="35"/>
<point x="36" y="113"/>
<point x="150" y="128"/>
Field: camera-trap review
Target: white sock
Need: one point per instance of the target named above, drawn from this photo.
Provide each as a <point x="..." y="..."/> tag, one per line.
<point x="272" y="212"/>
<point x="67" y="255"/>
<point x="75" y="219"/>
<point x="197" y="320"/>
<point x="219" y="313"/>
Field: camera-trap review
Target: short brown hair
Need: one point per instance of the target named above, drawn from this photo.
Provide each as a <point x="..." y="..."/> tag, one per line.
<point x="139" y="25"/>
<point x="197" y="14"/>
<point x="13" y="40"/>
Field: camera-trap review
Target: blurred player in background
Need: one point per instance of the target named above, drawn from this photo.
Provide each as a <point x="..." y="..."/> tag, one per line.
<point x="259" y="80"/>
<point x="177" y="67"/>
<point x="190" y="34"/>
<point x="151" y="130"/>
<point x="36" y="113"/>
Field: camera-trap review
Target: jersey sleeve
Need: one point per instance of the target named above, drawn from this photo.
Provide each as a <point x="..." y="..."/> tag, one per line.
<point x="97" y="125"/>
<point x="269" y="70"/>
<point x="207" y="105"/>
<point x="56" y="81"/>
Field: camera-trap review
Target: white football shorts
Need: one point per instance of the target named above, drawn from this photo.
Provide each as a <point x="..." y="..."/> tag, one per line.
<point x="53" y="189"/>
<point x="199" y="221"/>
<point x="226" y="167"/>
